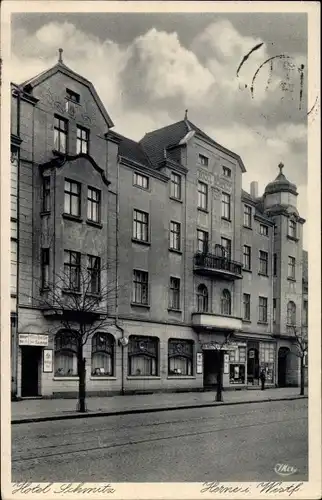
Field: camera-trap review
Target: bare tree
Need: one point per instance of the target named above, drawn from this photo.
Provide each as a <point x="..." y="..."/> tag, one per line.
<point x="300" y="342"/>
<point x="80" y="297"/>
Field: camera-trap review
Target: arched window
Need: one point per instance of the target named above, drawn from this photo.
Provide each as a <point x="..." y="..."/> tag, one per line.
<point x="180" y="357"/>
<point x="291" y="313"/>
<point x="202" y="298"/>
<point x="65" y="354"/>
<point x="143" y="356"/>
<point x="226" y="303"/>
<point x="103" y="354"/>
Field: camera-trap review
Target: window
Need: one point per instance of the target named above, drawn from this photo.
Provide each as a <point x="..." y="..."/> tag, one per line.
<point x="44" y="268"/>
<point x="247" y="216"/>
<point x="143" y="356"/>
<point x="46" y="194"/>
<point x="226" y="171"/>
<point x="275" y="229"/>
<point x="202" y="298"/>
<point x="225" y="206"/>
<point x="203" y="160"/>
<point x="267" y="359"/>
<point x="202" y="241"/>
<point x="226" y="245"/>
<point x="274" y="310"/>
<point x="175" y="237"/>
<point x="275" y="264"/>
<point x="263" y="263"/>
<point x="291" y="313"/>
<point x="292" y="228"/>
<point x="72" y="270"/>
<point x="60" y="134"/>
<point x="291" y="268"/>
<point x="65" y="354"/>
<point x="103" y="354"/>
<point x="93" y="204"/>
<point x="175" y="186"/>
<point x="226" y="303"/>
<point x="262" y="316"/>
<point x="263" y="230"/>
<point x="72" y="198"/>
<point x="82" y="141"/>
<point x="140" y="180"/>
<point x="247" y="259"/>
<point x="237" y="360"/>
<point x="180" y="357"/>
<point x="72" y="96"/>
<point x="93" y="274"/>
<point x="174" y="297"/>
<point x="305" y="313"/>
<point x="246" y="304"/>
<point x="140" y="287"/>
<point x="202" y="196"/>
<point x="140" y="226"/>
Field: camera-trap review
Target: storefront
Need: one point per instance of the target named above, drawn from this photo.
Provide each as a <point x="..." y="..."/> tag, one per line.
<point x="260" y="356"/>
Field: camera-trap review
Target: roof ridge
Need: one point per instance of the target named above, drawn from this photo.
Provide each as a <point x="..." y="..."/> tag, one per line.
<point x="161" y="128"/>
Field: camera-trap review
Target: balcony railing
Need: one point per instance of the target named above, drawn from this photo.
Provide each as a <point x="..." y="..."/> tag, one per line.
<point x="206" y="263"/>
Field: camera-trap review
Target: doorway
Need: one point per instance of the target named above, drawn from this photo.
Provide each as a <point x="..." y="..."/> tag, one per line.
<point x="282" y="366"/>
<point x="30" y="362"/>
<point x="211" y="367"/>
<point x="253" y="364"/>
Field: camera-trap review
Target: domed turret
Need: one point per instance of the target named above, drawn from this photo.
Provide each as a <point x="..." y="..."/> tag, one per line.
<point x="280" y="193"/>
<point x="281" y="184"/>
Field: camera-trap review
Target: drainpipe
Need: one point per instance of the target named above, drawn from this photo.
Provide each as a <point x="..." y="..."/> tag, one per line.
<point x="272" y="304"/>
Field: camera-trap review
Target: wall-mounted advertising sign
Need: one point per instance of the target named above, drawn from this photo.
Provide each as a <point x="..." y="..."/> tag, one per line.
<point x="34" y="339"/>
<point x="199" y="362"/>
<point x="47" y="360"/>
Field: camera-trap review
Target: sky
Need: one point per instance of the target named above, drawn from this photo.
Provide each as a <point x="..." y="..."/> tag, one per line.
<point x="149" y="68"/>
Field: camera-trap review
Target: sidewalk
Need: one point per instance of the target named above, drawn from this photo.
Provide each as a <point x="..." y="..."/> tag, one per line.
<point x="38" y="410"/>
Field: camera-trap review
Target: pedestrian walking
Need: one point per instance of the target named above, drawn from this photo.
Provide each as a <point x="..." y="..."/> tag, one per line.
<point x="262" y="376"/>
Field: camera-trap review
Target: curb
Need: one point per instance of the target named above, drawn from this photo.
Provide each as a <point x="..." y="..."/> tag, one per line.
<point x="96" y="414"/>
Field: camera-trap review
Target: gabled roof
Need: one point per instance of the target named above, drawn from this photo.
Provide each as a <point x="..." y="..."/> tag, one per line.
<point x="157" y="141"/>
<point x="133" y="151"/>
<point x="30" y="84"/>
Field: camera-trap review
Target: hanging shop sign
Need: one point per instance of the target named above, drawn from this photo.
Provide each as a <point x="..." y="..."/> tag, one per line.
<point x="33" y="339"/>
<point x="47" y="360"/>
<point x="199" y="362"/>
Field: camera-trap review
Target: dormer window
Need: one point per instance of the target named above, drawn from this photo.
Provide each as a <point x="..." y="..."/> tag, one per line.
<point x="226" y="171"/>
<point x="72" y="96"/>
<point x="263" y="230"/>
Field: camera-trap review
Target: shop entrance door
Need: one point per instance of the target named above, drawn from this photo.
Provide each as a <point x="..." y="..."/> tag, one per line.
<point x="252" y="365"/>
<point x="282" y="366"/>
<point x="30" y="360"/>
<point x="211" y="360"/>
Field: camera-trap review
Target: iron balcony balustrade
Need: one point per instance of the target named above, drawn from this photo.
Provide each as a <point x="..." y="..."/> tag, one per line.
<point x="213" y="265"/>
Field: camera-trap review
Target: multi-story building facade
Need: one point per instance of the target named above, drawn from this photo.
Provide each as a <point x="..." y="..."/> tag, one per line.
<point x="205" y="274"/>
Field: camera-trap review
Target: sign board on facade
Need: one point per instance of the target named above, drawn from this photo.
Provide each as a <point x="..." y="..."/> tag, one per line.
<point x="33" y="339"/>
<point x="199" y="362"/>
<point x="47" y="360"/>
<point x="225" y="347"/>
<point x="226" y="367"/>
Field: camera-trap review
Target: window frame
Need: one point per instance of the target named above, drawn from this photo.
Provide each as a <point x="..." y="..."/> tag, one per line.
<point x="202" y="298"/>
<point x="226" y="249"/>
<point x="71" y="194"/>
<point x="108" y="347"/>
<point x="174" y="293"/>
<point x="247" y="256"/>
<point x="202" y="196"/>
<point x="46" y="198"/>
<point x="143" y="351"/>
<point x="291" y="268"/>
<point x="140" y="287"/>
<point x="263" y="259"/>
<point x="247" y="216"/>
<point x="45" y="268"/>
<point x="68" y="348"/>
<point x="175" y="236"/>
<point x="263" y="230"/>
<point x="203" y="160"/>
<point x="292" y="227"/>
<point x="138" y="177"/>
<point x="246" y="306"/>
<point x="93" y="271"/>
<point x="69" y="266"/>
<point x="175" y="186"/>
<point x="59" y="132"/>
<point x="91" y="202"/>
<point x="183" y="353"/>
<point x="204" y="241"/>
<point x="225" y="206"/>
<point x="140" y="226"/>
<point x="291" y="313"/>
<point x="226" y="302"/>
<point x="225" y="171"/>
<point x="262" y="309"/>
<point x="81" y="140"/>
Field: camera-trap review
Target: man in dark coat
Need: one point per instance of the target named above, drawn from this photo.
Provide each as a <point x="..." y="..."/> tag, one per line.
<point x="262" y="376"/>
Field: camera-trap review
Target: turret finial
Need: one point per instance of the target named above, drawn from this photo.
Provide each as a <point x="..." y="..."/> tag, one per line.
<point x="186" y="115"/>
<point x="281" y="166"/>
<point x="60" y="57"/>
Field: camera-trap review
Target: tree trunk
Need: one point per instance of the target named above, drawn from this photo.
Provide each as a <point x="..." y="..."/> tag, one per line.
<point x="302" y="376"/>
<point x="219" y="379"/>
<point x="81" y="379"/>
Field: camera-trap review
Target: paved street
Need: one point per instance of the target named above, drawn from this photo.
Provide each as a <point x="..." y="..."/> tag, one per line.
<point x="227" y="443"/>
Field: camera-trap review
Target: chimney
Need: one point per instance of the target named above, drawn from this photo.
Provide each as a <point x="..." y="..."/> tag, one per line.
<point x="254" y="189"/>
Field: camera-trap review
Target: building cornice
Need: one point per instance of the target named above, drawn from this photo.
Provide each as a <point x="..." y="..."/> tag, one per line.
<point x="143" y="168"/>
<point x="168" y="163"/>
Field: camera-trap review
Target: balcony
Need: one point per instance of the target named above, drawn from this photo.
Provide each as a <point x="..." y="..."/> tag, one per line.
<point x="216" y="322"/>
<point x="213" y="265"/>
